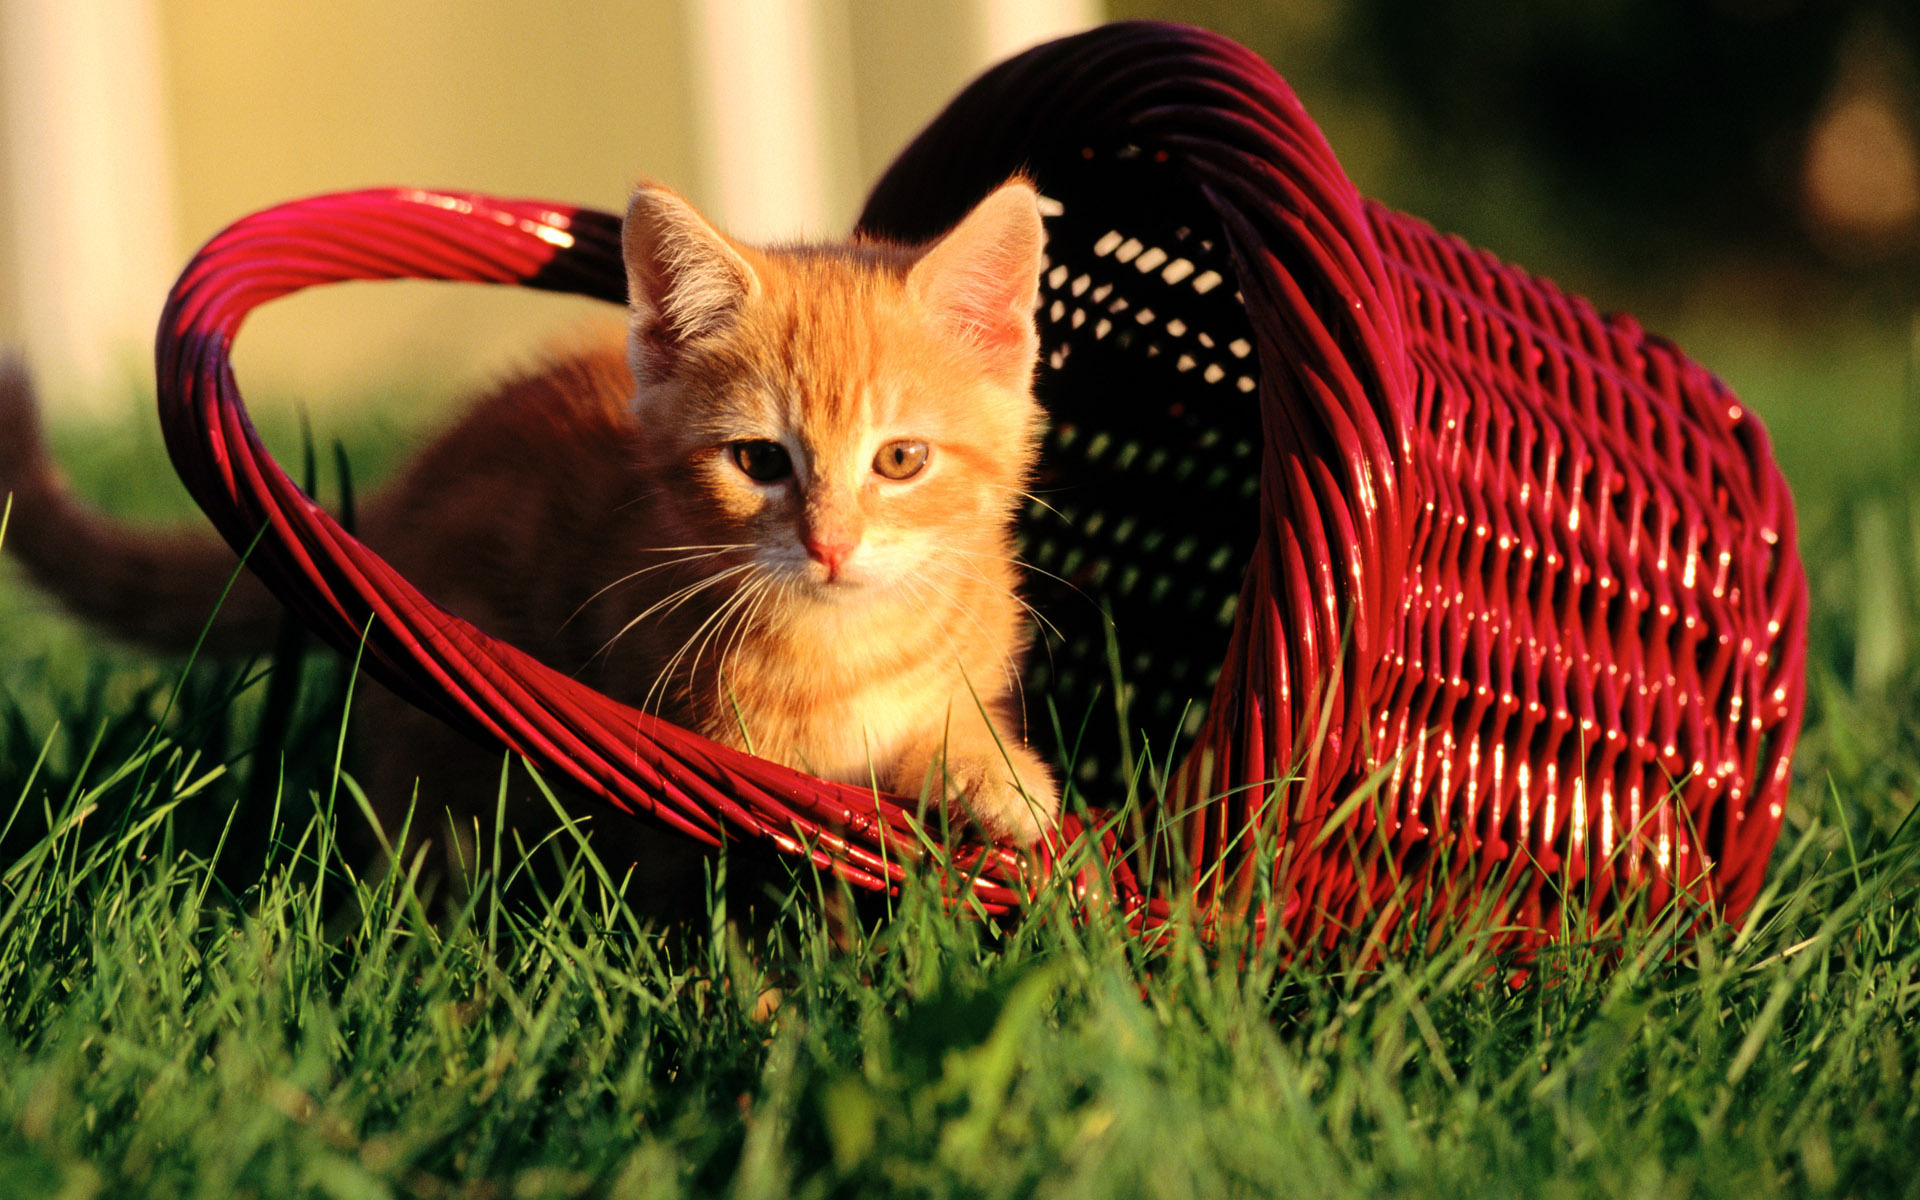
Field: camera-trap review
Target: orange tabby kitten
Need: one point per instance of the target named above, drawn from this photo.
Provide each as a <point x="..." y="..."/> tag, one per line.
<point x="777" y="512"/>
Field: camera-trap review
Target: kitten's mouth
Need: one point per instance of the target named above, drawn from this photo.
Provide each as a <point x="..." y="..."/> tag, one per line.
<point x="836" y="586"/>
<point x="815" y="581"/>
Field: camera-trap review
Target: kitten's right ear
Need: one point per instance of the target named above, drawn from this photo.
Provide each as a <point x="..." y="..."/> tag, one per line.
<point x="685" y="281"/>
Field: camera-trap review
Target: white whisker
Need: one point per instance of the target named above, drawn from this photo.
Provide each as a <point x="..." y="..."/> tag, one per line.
<point x="737" y="604"/>
<point x="1040" y="618"/>
<point x="710" y="552"/>
<point x="719" y="614"/>
<point x="649" y="494"/>
<point x="764" y="590"/>
<point x="1024" y="565"/>
<point x="966" y="610"/>
<point x="672" y="601"/>
<point x="1026" y="495"/>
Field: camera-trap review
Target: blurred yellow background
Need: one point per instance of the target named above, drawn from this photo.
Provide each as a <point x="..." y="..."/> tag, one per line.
<point x="136" y="129"/>
<point x="1742" y="174"/>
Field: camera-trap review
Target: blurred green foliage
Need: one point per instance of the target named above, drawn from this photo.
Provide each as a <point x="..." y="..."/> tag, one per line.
<point x="1743" y="175"/>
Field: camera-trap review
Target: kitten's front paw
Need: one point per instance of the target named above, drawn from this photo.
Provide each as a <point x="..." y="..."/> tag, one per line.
<point x="990" y="786"/>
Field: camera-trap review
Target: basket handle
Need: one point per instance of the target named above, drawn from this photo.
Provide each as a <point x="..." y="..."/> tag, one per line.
<point x="357" y="602"/>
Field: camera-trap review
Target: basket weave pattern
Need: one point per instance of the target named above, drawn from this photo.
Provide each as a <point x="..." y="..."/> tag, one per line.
<point x="1402" y="521"/>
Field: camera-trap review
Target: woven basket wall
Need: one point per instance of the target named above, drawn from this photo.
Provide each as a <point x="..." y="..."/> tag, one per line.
<point x="1354" y="510"/>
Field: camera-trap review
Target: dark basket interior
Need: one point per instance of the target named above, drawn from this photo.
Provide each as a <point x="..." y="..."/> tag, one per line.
<point x="1146" y="501"/>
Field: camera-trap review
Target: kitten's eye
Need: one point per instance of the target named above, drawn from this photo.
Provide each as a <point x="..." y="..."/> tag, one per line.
<point x="764" y="461"/>
<point x="901" y="460"/>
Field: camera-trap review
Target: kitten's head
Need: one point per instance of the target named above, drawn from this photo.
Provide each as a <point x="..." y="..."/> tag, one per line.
<point x="854" y="418"/>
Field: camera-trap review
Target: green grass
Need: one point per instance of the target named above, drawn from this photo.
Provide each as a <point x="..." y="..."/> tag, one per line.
<point x="199" y="996"/>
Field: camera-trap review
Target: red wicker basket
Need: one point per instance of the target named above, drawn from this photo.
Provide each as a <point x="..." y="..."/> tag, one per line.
<point x="1503" y="589"/>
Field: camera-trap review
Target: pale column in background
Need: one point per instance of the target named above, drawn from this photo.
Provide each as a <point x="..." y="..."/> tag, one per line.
<point x="760" y="116"/>
<point x="801" y="102"/>
<point x="1015" y="25"/>
<point x="912" y="58"/>
<point x="773" y="115"/>
<point x="88" y="202"/>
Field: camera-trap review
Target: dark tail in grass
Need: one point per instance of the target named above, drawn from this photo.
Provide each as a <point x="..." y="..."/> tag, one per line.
<point x="159" y="588"/>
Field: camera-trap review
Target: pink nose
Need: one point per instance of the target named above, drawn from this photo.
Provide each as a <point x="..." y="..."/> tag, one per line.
<point x="829" y="551"/>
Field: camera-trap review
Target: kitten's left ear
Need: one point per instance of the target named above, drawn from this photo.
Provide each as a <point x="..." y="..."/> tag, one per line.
<point x="982" y="280"/>
<point x="684" y="279"/>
